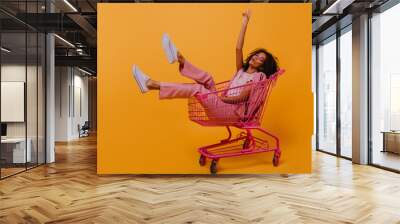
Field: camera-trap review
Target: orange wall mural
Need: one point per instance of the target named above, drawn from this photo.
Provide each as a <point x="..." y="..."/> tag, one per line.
<point x="140" y="134"/>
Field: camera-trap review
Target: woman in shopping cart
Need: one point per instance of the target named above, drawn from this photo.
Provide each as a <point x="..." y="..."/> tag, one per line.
<point x="258" y="65"/>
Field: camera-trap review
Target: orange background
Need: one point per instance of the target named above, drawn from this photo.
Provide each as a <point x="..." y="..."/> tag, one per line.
<point x="140" y="134"/>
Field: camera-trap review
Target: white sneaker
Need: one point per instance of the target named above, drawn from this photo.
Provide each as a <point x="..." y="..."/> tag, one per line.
<point x="169" y="48"/>
<point x="140" y="78"/>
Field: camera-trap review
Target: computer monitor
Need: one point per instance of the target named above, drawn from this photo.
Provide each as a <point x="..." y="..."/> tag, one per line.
<point x="3" y="129"/>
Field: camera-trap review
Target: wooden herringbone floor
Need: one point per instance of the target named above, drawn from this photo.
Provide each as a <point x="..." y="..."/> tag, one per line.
<point x="69" y="191"/>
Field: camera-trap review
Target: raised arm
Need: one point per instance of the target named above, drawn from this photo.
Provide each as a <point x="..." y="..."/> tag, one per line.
<point x="240" y="41"/>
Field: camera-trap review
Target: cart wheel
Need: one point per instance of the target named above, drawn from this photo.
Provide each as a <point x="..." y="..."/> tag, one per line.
<point x="275" y="160"/>
<point x="246" y="143"/>
<point x="202" y="160"/>
<point x="213" y="167"/>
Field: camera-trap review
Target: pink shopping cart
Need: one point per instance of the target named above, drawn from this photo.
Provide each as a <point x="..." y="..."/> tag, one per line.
<point x="209" y="110"/>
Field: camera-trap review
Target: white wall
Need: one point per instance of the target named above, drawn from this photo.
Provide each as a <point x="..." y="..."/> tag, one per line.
<point x="33" y="127"/>
<point x="13" y="73"/>
<point x="80" y="89"/>
<point x="71" y="94"/>
<point x="62" y="80"/>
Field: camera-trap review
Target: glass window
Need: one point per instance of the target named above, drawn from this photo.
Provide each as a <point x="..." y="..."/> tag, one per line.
<point x="31" y="100"/>
<point x="22" y="91"/>
<point x="385" y="87"/>
<point x="314" y="90"/>
<point x="327" y="96"/>
<point x="41" y="98"/>
<point x="15" y="150"/>
<point x="346" y="94"/>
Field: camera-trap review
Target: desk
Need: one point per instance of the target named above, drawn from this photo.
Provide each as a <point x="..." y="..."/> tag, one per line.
<point x="15" y="148"/>
<point x="391" y="141"/>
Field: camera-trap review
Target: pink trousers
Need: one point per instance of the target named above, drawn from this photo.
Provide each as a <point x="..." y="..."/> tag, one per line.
<point x="204" y="84"/>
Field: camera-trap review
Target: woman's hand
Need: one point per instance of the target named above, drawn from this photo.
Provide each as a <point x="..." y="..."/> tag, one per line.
<point x="246" y="15"/>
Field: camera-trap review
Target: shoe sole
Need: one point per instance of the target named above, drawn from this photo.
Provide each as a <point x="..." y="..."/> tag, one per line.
<point x="165" y="45"/>
<point x="137" y="80"/>
<point x="173" y="52"/>
<point x="168" y="48"/>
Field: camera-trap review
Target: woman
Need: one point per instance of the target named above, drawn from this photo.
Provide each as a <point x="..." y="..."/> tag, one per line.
<point x="258" y="65"/>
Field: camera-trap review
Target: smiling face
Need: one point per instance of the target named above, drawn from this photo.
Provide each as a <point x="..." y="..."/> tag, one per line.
<point x="262" y="61"/>
<point x="258" y="60"/>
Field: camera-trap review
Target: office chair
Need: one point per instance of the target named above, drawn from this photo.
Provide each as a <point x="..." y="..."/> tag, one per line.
<point x="84" y="130"/>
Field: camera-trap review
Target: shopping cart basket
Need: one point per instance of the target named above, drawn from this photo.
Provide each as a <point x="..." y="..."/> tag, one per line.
<point x="212" y="110"/>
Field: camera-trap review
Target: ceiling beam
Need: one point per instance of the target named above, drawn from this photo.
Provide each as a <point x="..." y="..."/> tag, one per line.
<point x="84" y="24"/>
<point x="84" y="61"/>
<point x="337" y="7"/>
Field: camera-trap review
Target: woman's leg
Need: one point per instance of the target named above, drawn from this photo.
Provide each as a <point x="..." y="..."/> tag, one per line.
<point x="176" y="90"/>
<point x="215" y="109"/>
<point x="194" y="73"/>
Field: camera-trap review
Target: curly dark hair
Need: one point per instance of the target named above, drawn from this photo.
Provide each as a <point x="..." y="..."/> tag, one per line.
<point x="269" y="67"/>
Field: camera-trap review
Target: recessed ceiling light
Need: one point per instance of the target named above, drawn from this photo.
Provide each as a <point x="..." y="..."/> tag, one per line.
<point x="337" y="7"/>
<point x="70" y="5"/>
<point x="84" y="71"/>
<point x="5" y="50"/>
<point x="64" y="40"/>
